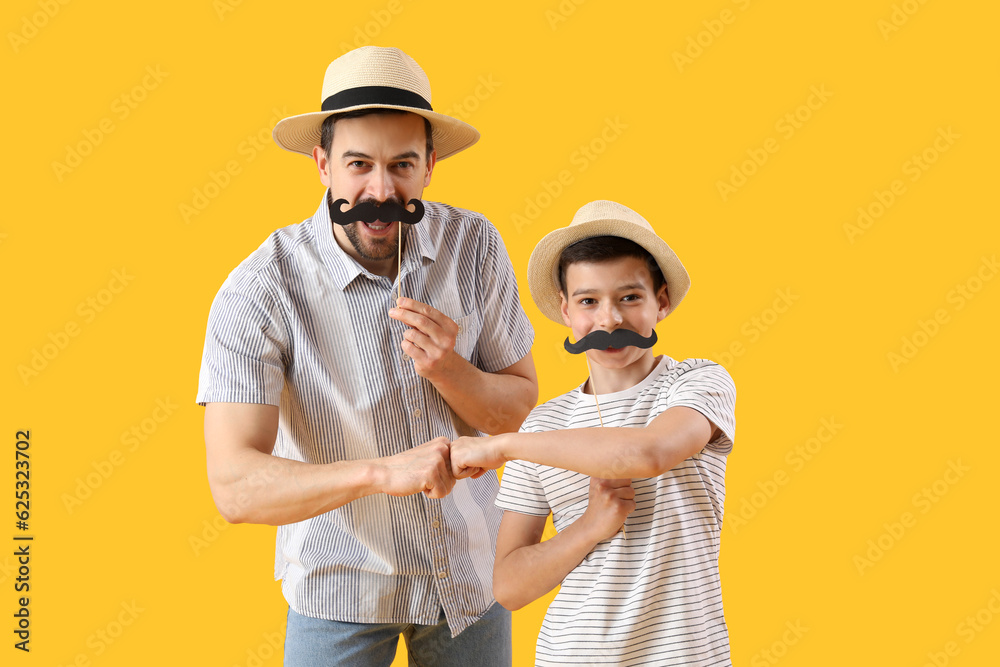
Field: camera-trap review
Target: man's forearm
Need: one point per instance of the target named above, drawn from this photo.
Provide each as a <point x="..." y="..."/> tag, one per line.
<point x="251" y="485"/>
<point x="262" y="488"/>
<point x="488" y="402"/>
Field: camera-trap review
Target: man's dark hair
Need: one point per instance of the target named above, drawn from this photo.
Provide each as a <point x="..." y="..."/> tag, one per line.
<point x="326" y="130"/>
<point x="598" y="249"/>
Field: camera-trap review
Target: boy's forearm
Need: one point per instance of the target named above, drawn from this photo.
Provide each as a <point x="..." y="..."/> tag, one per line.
<point x="530" y="572"/>
<point x="609" y="453"/>
<point x="615" y="453"/>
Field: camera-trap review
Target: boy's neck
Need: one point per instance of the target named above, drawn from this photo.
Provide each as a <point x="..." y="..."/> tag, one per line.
<point x="612" y="380"/>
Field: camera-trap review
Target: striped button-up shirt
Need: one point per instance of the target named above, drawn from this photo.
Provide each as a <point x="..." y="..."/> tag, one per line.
<point x="301" y="325"/>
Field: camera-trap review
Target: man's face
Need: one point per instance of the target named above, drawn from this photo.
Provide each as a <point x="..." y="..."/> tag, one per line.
<point x="612" y="295"/>
<point x="375" y="158"/>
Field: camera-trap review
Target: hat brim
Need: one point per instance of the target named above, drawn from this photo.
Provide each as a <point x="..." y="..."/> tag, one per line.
<point x="543" y="265"/>
<point x="299" y="134"/>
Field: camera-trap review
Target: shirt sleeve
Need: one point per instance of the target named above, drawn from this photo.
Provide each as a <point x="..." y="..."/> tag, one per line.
<point x="521" y="491"/>
<point x="507" y="334"/>
<point x="245" y="346"/>
<point x="708" y="388"/>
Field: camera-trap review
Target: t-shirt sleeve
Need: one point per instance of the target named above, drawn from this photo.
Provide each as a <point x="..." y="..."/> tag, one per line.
<point x="521" y="491"/>
<point x="709" y="389"/>
<point x="245" y="346"/>
<point x="507" y="334"/>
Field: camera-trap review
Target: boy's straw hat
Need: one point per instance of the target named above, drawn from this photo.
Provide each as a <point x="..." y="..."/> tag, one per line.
<point x="374" y="77"/>
<point x="600" y="218"/>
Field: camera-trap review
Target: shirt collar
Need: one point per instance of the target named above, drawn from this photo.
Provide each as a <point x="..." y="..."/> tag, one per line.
<point x="344" y="268"/>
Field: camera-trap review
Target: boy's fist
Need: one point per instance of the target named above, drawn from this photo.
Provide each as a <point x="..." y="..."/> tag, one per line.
<point x="471" y="457"/>
<point x="610" y="502"/>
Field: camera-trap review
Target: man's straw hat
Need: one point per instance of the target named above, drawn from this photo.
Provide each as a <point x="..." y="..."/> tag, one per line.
<point x="374" y="77"/>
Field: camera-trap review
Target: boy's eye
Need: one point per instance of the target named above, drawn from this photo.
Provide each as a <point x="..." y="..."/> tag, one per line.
<point x="631" y="297"/>
<point x="587" y="301"/>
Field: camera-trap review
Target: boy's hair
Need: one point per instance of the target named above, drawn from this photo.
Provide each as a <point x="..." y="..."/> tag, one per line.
<point x="604" y="249"/>
<point x="326" y="129"/>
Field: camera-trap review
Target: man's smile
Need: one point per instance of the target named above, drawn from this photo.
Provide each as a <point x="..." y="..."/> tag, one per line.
<point x="378" y="228"/>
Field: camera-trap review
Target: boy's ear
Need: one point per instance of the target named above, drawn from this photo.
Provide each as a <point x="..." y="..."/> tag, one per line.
<point x="663" y="303"/>
<point x="564" y="308"/>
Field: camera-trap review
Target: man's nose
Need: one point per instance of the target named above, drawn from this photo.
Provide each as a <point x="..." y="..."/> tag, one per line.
<point x="380" y="185"/>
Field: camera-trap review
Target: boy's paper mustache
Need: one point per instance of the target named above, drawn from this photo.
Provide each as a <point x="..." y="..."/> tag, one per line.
<point x="369" y="211"/>
<point x="602" y="340"/>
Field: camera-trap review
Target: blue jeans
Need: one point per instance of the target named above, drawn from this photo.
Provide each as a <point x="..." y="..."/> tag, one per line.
<point x="315" y="642"/>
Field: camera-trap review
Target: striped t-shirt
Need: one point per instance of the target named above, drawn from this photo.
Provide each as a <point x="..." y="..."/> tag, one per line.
<point x="652" y="595"/>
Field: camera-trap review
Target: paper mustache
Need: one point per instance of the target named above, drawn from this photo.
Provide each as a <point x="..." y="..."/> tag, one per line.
<point x="368" y="211"/>
<point x="602" y="340"/>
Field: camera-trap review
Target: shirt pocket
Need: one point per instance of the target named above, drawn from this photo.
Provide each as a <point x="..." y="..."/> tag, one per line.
<point x="469" y="327"/>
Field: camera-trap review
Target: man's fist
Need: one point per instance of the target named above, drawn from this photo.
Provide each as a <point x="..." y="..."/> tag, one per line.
<point x="426" y="469"/>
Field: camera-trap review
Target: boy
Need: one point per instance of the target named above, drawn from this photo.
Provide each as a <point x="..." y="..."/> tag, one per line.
<point x="638" y="540"/>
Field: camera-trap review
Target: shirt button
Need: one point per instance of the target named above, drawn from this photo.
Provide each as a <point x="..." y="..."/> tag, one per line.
<point x="442" y="574"/>
<point x="435" y="524"/>
<point x="417" y="413"/>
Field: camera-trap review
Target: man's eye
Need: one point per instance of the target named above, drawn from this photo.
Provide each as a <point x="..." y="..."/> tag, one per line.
<point x="357" y="164"/>
<point x="404" y="165"/>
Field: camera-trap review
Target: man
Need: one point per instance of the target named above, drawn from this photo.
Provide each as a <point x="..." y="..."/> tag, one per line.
<point x="320" y="385"/>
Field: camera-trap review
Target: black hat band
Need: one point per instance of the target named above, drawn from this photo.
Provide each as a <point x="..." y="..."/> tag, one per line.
<point x="369" y="95"/>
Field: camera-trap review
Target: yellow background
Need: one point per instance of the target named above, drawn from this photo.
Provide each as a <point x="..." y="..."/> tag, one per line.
<point x="540" y="81"/>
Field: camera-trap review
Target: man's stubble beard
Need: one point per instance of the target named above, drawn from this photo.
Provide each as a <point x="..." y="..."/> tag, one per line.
<point x="374" y="249"/>
<point x="381" y="248"/>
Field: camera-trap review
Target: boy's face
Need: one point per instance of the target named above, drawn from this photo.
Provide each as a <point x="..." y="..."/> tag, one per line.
<point x="613" y="295"/>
